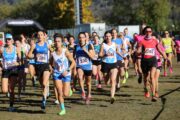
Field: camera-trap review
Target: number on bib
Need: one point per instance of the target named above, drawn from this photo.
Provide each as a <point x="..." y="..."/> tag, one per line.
<point x="41" y="58"/>
<point x="83" y="61"/>
<point x="150" y="51"/>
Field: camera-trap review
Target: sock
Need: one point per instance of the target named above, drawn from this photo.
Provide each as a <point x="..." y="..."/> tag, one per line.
<point x="62" y="106"/>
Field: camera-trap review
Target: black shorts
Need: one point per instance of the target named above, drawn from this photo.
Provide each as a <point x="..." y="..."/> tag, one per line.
<point x="120" y="64"/>
<point x="106" y="67"/>
<point x="9" y="73"/>
<point x="96" y="62"/>
<point x="86" y="72"/>
<point x="168" y="53"/>
<point x="40" y="68"/>
<point x="159" y="68"/>
<point x="147" y="64"/>
<point x="178" y="57"/>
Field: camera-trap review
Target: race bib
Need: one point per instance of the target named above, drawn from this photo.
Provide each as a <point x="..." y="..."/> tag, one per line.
<point x="150" y="51"/>
<point x="41" y="58"/>
<point x="10" y="64"/>
<point x="167" y="47"/>
<point x="83" y="61"/>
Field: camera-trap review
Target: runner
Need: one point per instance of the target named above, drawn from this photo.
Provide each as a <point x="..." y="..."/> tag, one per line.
<point x="109" y="62"/>
<point x="169" y="47"/>
<point x="178" y="50"/>
<point x="24" y="51"/>
<point x="159" y="66"/>
<point x="61" y="71"/>
<point x="126" y="55"/>
<point x="73" y="72"/>
<point x="97" y="63"/>
<point x="120" y="61"/>
<point x="31" y="66"/>
<point x="10" y="63"/>
<point x="40" y="52"/>
<point x="147" y="48"/>
<point x="84" y="53"/>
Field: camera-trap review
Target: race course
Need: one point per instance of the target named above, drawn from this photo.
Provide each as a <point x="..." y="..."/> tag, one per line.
<point x="130" y="103"/>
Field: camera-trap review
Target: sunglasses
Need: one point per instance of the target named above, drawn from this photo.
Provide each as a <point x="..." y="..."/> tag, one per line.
<point x="148" y="31"/>
<point x="166" y="33"/>
<point x="8" y="39"/>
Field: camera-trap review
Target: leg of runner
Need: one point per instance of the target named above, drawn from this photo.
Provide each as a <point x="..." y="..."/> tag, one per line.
<point x="99" y="73"/>
<point x="12" y="83"/>
<point x="139" y="71"/>
<point x="94" y="71"/>
<point x="81" y="82"/>
<point x="157" y="74"/>
<point x="146" y="92"/>
<point x="113" y="75"/>
<point x="44" y="83"/>
<point x="153" y="82"/>
<point x="170" y="62"/>
<point x="32" y="73"/>
<point x="88" y="84"/>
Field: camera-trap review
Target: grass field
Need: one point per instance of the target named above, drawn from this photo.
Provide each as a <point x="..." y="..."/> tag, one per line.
<point x="130" y="103"/>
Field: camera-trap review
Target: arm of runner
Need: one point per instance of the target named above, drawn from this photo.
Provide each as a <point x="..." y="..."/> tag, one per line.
<point x="90" y="52"/>
<point x="101" y="52"/>
<point x="20" y="60"/>
<point x="160" y="51"/>
<point x="30" y="53"/>
<point x="118" y="49"/>
<point x="71" y="59"/>
<point x="51" y="63"/>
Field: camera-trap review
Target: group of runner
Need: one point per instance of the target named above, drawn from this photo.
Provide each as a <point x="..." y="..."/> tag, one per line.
<point x="89" y="58"/>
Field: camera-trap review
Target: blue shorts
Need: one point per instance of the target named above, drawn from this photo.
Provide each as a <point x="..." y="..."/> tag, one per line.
<point x="61" y="77"/>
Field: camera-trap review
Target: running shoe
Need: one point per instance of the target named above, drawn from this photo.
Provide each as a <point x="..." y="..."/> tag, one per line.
<point x="140" y="79"/>
<point x="56" y="102"/>
<point x="70" y="92"/>
<point x="11" y="109"/>
<point x="43" y="106"/>
<point x="8" y="94"/>
<point x="154" y="99"/>
<point x="156" y="95"/>
<point x="171" y="70"/>
<point x="83" y="95"/>
<point x="124" y="81"/>
<point x="165" y="74"/>
<point x="126" y="74"/>
<point x="88" y="100"/>
<point x="62" y="112"/>
<point x="112" y="100"/>
<point x="147" y="94"/>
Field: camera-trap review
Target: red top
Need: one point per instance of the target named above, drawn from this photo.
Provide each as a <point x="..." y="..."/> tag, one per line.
<point x="149" y="47"/>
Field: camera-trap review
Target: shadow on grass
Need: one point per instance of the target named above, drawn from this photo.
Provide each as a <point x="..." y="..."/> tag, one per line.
<point x="163" y="100"/>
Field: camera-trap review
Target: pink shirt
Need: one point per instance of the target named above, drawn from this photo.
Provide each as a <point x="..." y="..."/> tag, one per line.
<point x="178" y="46"/>
<point x="158" y="55"/>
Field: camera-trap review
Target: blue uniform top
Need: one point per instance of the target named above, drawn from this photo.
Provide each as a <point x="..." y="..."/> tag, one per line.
<point x="41" y="53"/>
<point x="119" y="43"/>
<point x="129" y="38"/>
<point x="83" y="61"/>
<point x="9" y="59"/>
<point x="97" y="50"/>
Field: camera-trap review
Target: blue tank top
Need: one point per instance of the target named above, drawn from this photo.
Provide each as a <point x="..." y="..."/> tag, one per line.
<point x="83" y="61"/>
<point x="9" y="59"/>
<point x="110" y="53"/>
<point x="119" y="43"/>
<point x="41" y="53"/>
<point x="97" y="50"/>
